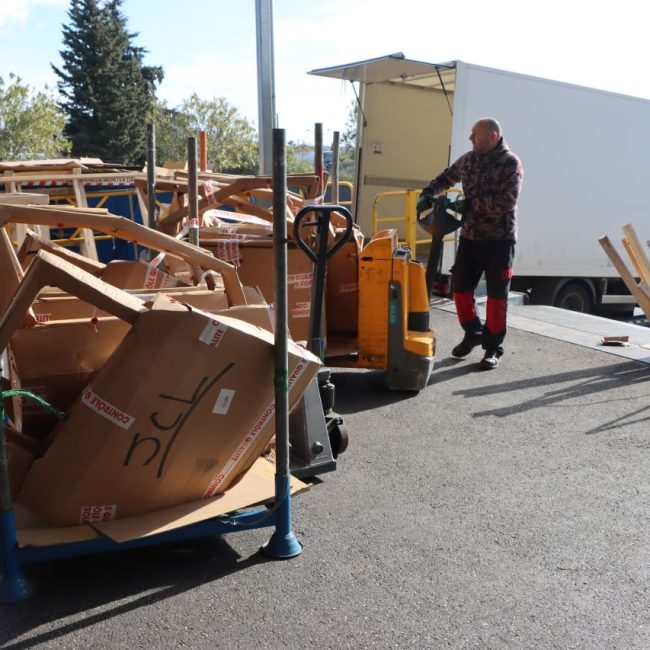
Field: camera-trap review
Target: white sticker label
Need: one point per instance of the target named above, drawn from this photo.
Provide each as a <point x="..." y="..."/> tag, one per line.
<point x="106" y="410"/>
<point x="96" y="514"/>
<point x="43" y="318"/>
<point x="224" y="400"/>
<point x="213" y="333"/>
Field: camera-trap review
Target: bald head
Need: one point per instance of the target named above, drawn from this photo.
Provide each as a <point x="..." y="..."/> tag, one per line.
<point x="485" y="134"/>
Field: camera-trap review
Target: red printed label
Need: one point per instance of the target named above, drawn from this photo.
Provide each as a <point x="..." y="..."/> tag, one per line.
<point x="213" y="333"/>
<point x="106" y="410"/>
<point x="96" y="514"/>
<point x="350" y="287"/>
<point x="43" y="318"/>
<point x="300" y="280"/>
<point x="301" y="310"/>
<point x="152" y="274"/>
<point x="228" y="251"/>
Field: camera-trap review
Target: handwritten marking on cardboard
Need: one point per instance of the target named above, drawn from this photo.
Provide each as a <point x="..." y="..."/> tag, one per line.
<point x="107" y="410"/>
<point x="175" y="420"/>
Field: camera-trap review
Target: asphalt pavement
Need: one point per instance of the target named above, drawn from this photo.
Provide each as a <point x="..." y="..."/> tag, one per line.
<point x="494" y="509"/>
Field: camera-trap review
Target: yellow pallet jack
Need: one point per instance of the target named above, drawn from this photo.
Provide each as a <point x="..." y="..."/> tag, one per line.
<point x="394" y="332"/>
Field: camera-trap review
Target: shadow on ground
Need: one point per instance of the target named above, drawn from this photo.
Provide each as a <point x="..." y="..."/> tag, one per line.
<point x="129" y="580"/>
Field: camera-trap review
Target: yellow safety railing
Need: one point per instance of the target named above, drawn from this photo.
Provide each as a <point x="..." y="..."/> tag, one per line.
<point x="409" y="218"/>
<point x="343" y="184"/>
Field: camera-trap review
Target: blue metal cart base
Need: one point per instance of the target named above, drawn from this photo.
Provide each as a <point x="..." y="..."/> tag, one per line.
<point x="282" y="545"/>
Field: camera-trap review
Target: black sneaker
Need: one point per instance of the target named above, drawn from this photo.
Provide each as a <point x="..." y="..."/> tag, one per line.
<point x="491" y="359"/>
<point x="469" y="342"/>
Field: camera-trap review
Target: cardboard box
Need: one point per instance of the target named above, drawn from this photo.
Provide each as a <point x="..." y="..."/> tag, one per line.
<point x="138" y="275"/>
<point x="255" y="487"/>
<point x="255" y="265"/>
<point x="342" y="288"/>
<point x="178" y="412"/>
<point x="182" y="407"/>
<point x="57" y="360"/>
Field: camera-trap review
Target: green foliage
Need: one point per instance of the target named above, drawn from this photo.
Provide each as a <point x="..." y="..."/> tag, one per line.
<point x="31" y="125"/>
<point x="108" y="94"/>
<point x="348" y="145"/>
<point x="231" y="139"/>
<point x="297" y="164"/>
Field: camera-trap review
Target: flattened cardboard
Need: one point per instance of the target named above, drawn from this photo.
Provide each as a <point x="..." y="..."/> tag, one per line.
<point x="49" y="270"/>
<point x="255" y="268"/>
<point x="101" y="220"/>
<point x="12" y="274"/>
<point x="342" y="287"/>
<point x="33" y="243"/>
<point x="181" y="408"/>
<point x="137" y="275"/>
<point x="20" y="460"/>
<point x="57" y="360"/>
<point x="256" y="486"/>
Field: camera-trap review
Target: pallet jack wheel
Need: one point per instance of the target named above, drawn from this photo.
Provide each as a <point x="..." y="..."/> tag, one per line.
<point x="338" y="434"/>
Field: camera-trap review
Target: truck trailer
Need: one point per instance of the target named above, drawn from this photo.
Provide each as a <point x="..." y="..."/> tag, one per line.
<point x="584" y="152"/>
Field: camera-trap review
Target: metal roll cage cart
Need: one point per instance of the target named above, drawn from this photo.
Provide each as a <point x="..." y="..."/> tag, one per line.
<point x="282" y="544"/>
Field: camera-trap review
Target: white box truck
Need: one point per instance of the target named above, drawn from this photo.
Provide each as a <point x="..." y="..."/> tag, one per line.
<point x="586" y="155"/>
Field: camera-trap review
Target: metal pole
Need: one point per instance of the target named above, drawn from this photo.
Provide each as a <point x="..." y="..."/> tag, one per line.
<point x="151" y="176"/>
<point x="335" y="169"/>
<point x="283" y="543"/>
<point x="318" y="154"/>
<point x="193" y="192"/>
<point x="265" y="83"/>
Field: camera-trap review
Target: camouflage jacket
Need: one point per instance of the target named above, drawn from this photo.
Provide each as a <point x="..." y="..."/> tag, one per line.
<point x="491" y="184"/>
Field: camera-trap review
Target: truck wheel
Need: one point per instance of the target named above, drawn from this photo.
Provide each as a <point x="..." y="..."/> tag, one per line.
<point x="574" y="296"/>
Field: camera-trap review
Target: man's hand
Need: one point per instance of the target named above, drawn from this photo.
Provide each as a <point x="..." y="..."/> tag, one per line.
<point x="425" y="200"/>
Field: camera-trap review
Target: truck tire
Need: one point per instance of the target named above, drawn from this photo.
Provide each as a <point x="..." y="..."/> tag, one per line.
<point x="574" y="296"/>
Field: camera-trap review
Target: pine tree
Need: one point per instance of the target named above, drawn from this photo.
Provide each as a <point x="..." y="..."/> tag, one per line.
<point x="108" y="94"/>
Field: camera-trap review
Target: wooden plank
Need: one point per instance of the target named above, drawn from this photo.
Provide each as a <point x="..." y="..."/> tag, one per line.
<point x="130" y="231"/>
<point x="638" y="256"/>
<point x="640" y="294"/>
<point x="88" y="247"/>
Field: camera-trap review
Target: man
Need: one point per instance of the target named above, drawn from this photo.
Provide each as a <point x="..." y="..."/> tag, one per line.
<point x="491" y="176"/>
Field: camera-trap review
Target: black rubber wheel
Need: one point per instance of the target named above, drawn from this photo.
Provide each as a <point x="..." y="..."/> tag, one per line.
<point x="574" y="296"/>
<point x="338" y="439"/>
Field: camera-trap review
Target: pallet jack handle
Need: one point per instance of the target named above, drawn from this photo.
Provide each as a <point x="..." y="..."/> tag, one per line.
<point x="320" y="258"/>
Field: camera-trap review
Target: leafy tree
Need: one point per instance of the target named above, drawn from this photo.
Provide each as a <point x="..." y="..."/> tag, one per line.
<point x="297" y="163"/>
<point x="31" y="124"/>
<point x="348" y="144"/>
<point x="231" y="139"/>
<point x="108" y="94"/>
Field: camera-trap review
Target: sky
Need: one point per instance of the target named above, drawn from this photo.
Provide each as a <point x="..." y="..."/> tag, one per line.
<point x="209" y="46"/>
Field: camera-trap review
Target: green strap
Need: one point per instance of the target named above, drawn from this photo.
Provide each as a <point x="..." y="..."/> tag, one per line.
<point x="27" y="393"/>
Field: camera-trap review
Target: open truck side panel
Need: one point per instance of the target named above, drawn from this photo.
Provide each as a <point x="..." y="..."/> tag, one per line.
<point x="584" y="153"/>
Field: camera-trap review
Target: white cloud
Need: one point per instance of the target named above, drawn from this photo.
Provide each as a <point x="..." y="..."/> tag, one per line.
<point x="18" y="11"/>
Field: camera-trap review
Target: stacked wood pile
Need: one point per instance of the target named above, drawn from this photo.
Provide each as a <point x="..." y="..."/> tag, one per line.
<point x="640" y="288"/>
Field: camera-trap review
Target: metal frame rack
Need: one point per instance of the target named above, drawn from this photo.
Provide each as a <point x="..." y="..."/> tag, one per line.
<point x="282" y="544"/>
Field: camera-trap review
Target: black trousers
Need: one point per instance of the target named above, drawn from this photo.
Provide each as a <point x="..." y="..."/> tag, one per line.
<point x="494" y="258"/>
